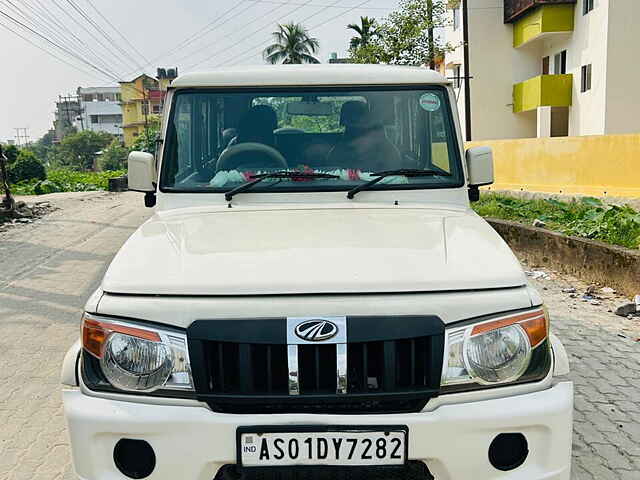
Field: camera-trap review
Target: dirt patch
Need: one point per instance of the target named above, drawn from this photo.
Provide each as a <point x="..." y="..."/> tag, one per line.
<point x="26" y="213"/>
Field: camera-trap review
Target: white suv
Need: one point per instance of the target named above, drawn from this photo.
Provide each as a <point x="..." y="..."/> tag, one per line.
<point x="314" y="297"/>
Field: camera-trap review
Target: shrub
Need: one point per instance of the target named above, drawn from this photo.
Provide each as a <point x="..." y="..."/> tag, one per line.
<point x="26" y="167"/>
<point x="113" y="157"/>
<point x="78" y="151"/>
<point x="588" y="217"/>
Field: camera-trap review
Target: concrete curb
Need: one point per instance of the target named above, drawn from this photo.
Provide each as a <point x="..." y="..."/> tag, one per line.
<point x="592" y="261"/>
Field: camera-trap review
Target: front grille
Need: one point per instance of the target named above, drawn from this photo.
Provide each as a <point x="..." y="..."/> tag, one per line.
<point x="413" y="470"/>
<point x="395" y="375"/>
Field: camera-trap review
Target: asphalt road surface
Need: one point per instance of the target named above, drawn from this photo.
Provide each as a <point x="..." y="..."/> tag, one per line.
<point x="50" y="267"/>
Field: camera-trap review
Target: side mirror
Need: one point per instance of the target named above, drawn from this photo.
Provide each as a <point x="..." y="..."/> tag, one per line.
<point x="480" y="170"/>
<point x="142" y="176"/>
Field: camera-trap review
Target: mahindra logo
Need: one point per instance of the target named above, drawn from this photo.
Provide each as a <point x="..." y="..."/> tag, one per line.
<point x="316" y="330"/>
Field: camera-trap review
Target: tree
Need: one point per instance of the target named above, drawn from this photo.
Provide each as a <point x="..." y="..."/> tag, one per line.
<point x="78" y="151"/>
<point x="366" y="31"/>
<point x="146" y="141"/>
<point x="114" y="157"/>
<point x="11" y="153"/>
<point x="44" y="147"/>
<point x="407" y="36"/>
<point x="292" y="44"/>
<point x="26" y="167"/>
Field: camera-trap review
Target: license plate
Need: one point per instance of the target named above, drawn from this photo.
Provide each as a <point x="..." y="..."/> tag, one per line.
<point x="344" y="446"/>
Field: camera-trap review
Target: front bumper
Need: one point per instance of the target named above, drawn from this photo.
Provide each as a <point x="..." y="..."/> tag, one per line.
<point x="191" y="442"/>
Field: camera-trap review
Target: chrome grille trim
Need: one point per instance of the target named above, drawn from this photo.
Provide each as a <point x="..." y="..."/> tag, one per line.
<point x="294" y="373"/>
<point x="341" y="362"/>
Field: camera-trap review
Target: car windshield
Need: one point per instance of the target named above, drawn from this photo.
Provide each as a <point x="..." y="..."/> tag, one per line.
<point x="218" y="140"/>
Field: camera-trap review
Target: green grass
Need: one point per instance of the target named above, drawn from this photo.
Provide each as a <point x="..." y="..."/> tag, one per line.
<point x="587" y="217"/>
<point x="63" y="180"/>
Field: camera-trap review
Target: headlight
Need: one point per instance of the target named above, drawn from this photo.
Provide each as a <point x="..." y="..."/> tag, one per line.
<point x="494" y="352"/>
<point x="137" y="358"/>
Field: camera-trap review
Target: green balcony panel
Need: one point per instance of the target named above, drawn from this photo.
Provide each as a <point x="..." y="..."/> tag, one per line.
<point x="543" y="20"/>
<point x="543" y="91"/>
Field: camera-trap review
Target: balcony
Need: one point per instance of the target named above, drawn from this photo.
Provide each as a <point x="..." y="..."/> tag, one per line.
<point x="543" y="91"/>
<point x="514" y="9"/>
<point x="542" y="21"/>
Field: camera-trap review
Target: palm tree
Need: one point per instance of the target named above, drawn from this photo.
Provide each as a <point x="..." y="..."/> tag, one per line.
<point x="366" y="31"/>
<point x="292" y="45"/>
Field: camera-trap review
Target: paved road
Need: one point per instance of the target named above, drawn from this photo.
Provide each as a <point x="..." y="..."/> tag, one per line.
<point x="48" y="269"/>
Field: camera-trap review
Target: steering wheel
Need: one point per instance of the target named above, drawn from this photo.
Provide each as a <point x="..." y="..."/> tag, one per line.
<point x="244" y="154"/>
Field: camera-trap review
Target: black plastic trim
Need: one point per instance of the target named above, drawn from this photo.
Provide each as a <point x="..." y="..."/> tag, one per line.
<point x="388" y="328"/>
<point x="313" y="294"/>
<point x="255" y="330"/>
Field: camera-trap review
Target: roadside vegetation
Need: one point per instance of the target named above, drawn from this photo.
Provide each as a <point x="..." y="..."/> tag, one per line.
<point x="82" y="161"/>
<point x="588" y="217"/>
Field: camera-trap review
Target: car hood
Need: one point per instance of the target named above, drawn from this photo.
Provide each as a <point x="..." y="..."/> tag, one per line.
<point x="312" y="251"/>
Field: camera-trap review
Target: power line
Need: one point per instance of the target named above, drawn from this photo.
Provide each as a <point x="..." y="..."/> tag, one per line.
<point x="26" y="27"/>
<point x="230" y="34"/>
<point x="203" y="31"/>
<point x="81" y="25"/>
<point x="70" y="37"/>
<point x="261" y="45"/>
<point x="251" y="34"/>
<point x="101" y="31"/>
<point x="48" y="52"/>
<point x="44" y="25"/>
<point x="124" y="37"/>
<point x="316" y="5"/>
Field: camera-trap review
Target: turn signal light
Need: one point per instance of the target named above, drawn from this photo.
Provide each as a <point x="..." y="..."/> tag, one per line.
<point x="533" y="323"/>
<point x="95" y="333"/>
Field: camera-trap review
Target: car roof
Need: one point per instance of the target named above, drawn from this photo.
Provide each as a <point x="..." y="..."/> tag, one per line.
<point x="310" y="75"/>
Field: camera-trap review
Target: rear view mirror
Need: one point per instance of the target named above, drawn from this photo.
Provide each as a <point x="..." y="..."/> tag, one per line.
<point x="142" y="175"/>
<point x="479" y="170"/>
<point x="310" y="109"/>
<point x="142" y="172"/>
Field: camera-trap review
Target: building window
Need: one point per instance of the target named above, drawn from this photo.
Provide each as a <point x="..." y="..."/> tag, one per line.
<point x="560" y="63"/>
<point x="545" y="66"/>
<point x="456" y="18"/>
<point x="95" y="119"/>
<point x="586" y="78"/>
<point x="587" y="6"/>
<point x="156" y="108"/>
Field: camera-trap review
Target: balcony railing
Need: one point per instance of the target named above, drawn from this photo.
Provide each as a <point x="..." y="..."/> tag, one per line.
<point x="543" y="91"/>
<point x="514" y="9"/>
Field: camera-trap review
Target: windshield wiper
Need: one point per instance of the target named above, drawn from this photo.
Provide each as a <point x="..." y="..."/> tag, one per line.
<point x="283" y="174"/>
<point x="401" y="172"/>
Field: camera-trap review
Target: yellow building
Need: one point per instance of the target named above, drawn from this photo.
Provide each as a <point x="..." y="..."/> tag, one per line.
<point x="142" y="99"/>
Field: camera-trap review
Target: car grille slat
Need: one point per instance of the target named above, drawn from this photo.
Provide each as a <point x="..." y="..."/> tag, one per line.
<point x="381" y="376"/>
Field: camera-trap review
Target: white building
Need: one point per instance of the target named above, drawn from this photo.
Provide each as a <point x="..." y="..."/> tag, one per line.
<point x="101" y="110"/>
<point x="544" y="68"/>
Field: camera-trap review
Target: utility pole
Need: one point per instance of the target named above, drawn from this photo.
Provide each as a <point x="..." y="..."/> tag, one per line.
<point x="7" y="204"/>
<point x="145" y="110"/>
<point x="22" y="139"/>
<point x="431" y="41"/>
<point x="467" y="73"/>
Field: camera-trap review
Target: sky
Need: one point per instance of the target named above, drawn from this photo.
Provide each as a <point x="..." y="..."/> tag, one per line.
<point x="156" y="31"/>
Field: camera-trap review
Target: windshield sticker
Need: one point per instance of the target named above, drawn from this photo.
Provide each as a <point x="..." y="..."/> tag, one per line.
<point x="430" y="102"/>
